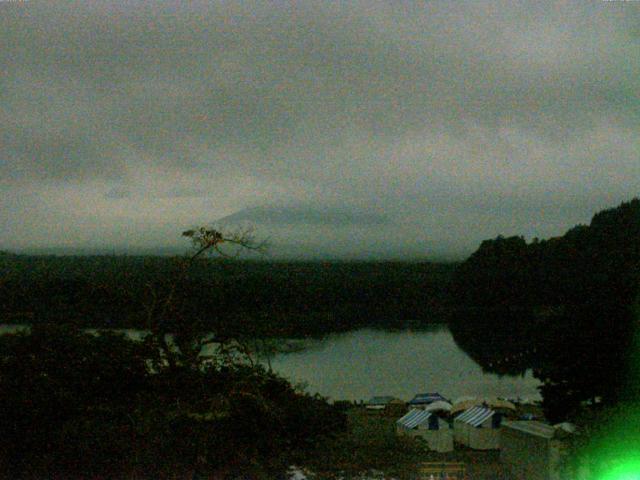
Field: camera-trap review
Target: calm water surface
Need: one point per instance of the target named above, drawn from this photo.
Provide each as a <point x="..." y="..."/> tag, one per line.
<point x="363" y="363"/>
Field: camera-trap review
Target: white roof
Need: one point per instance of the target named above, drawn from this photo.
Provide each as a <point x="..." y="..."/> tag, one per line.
<point x="532" y="427"/>
<point x="540" y="429"/>
<point x="566" y="427"/>
<point x="440" y="405"/>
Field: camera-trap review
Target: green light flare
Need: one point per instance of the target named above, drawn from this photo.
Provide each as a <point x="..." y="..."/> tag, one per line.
<point x="615" y="448"/>
<point x="626" y="469"/>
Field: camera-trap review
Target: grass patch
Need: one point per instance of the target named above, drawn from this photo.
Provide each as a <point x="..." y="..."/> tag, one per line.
<point x="369" y="444"/>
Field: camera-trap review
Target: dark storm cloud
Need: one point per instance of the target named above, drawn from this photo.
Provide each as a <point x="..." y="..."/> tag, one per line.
<point x="460" y="119"/>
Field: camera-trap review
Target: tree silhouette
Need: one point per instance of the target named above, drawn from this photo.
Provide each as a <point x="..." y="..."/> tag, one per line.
<point x="562" y="306"/>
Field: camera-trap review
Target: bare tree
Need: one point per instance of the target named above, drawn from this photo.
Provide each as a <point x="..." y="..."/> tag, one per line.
<point x="165" y="316"/>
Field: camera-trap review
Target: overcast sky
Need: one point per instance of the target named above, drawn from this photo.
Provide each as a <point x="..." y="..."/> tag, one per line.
<point x="354" y="129"/>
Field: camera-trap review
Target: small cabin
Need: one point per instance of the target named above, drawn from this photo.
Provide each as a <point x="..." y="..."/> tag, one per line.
<point x="532" y="449"/>
<point x="435" y="431"/>
<point x="386" y="405"/>
<point x="478" y="428"/>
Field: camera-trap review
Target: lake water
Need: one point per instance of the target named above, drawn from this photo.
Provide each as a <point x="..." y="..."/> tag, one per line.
<point x="363" y="363"/>
<point x="360" y="364"/>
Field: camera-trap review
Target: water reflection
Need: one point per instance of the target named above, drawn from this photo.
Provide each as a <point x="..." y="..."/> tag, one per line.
<point x="363" y="363"/>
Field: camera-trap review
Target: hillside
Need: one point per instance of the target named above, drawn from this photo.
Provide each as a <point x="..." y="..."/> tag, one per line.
<point x="562" y="306"/>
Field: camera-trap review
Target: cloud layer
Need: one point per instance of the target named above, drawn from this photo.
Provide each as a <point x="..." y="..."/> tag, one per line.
<point x="123" y="122"/>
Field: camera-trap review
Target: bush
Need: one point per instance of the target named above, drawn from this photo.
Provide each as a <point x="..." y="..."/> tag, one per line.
<point x="81" y="405"/>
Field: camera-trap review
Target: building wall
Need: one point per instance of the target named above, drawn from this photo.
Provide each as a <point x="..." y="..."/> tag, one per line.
<point x="461" y="432"/>
<point x="438" y="440"/>
<point x="484" y="438"/>
<point x="525" y="455"/>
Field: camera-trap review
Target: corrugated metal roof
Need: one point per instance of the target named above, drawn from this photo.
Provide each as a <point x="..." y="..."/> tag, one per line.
<point x="414" y="418"/>
<point x="475" y="415"/>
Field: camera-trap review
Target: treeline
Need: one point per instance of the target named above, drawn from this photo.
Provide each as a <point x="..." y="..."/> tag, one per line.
<point x="564" y="307"/>
<point x="270" y="298"/>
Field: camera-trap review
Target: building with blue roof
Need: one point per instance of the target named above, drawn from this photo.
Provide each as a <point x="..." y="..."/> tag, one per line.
<point x="435" y="431"/>
<point x="478" y="428"/>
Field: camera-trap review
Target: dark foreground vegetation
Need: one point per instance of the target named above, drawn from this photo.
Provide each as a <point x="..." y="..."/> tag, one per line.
<point x="266" y="298"/>
<point x="77" y="405"/>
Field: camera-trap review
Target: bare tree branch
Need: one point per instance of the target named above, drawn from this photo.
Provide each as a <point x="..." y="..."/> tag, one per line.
<point x="163" y="315"/>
